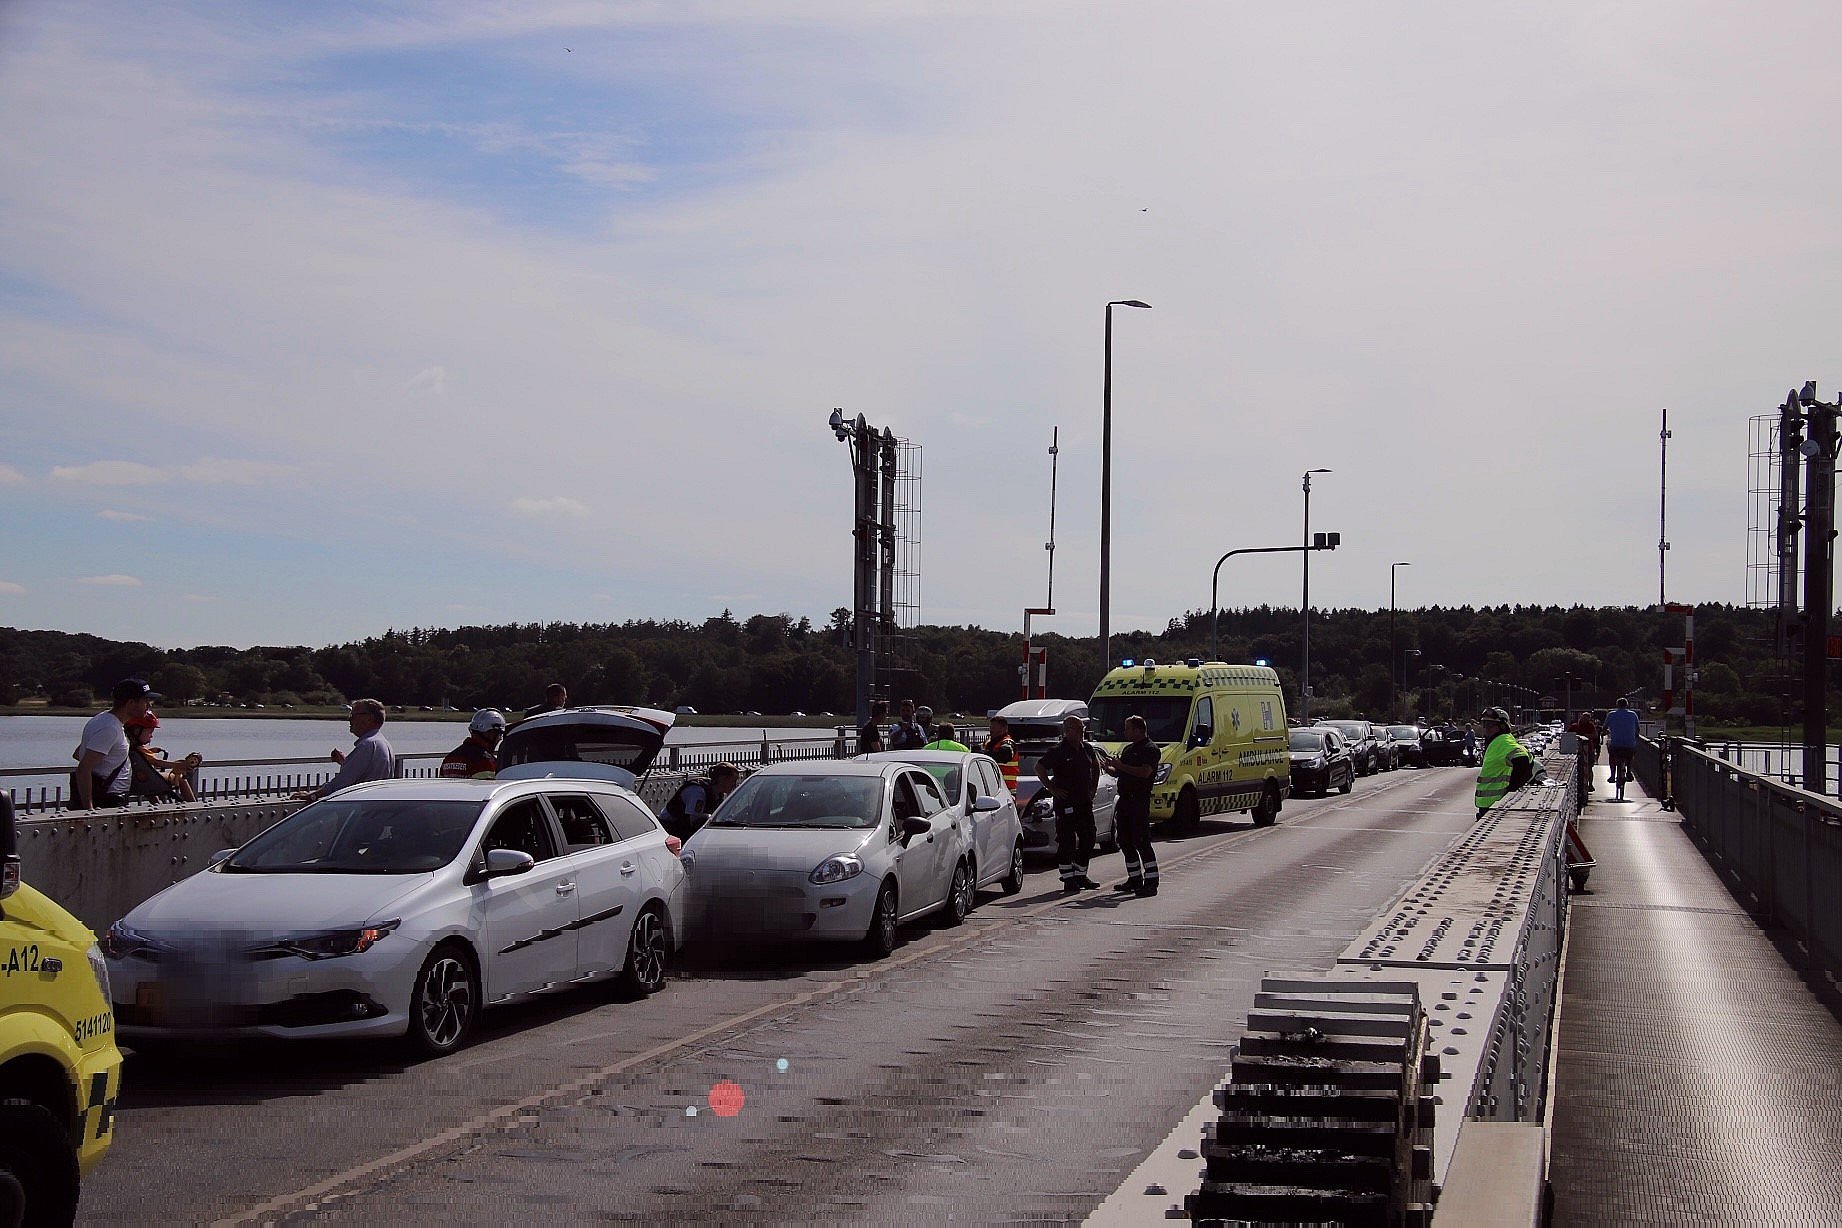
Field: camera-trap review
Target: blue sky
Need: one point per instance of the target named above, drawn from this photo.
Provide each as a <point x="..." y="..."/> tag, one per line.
<point x="316" y="320"/>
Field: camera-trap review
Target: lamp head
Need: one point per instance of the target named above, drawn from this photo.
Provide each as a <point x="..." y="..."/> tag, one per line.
<point x="1128" y="302"/>
<point x="837" y="425"/>
<point x="1808" y="395"/>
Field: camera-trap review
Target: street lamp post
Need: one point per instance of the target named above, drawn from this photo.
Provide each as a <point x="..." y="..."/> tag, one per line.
<point x="1407" y="657"/>
<point x="1215" y="578"/>
<point x="1304" y="651"/>
<point x="1106" y="489"/>
<point x="1394" y="710"/>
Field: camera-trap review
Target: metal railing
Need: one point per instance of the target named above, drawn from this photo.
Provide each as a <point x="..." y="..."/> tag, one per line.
<point x="248" y="779"/>
<point x="1778" y="847"/>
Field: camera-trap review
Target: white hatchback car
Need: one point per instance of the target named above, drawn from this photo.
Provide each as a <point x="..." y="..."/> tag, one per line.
<point x="993" y="832"/>
<point x="404" y="907"/>
<point x="841" y="851"/>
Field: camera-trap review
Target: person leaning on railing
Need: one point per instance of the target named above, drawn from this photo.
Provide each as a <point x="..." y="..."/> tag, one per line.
<point x="1507" y="763"/>
<point x="371" y="757"/>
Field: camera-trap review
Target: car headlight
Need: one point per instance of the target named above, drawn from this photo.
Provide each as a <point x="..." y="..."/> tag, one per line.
<point x="100" y="967"/>
<point x="336" y="943"/>
<point x="125" y="942"/>
<point x="837" y="869"/>
<point x="1161" y="775"/>
<point x="1316" y="763"/>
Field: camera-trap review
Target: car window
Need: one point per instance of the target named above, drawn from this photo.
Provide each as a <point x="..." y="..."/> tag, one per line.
<point x="521" y="826"/>
<point x="990" y="783"/>
<point x="1205" y="714"/>
<point x="946" y="775"/>
<point x="931" y="798"/>
<point x="584" y="826"/>
<point x="1302" y="739"/>
<point x="630" y="821"/>
<point x="1166" y="717"/>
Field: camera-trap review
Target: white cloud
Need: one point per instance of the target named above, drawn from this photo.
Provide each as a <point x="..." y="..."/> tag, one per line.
<point x="111" y="581"/>
<point x="218" y="471"/>
<point x="110" y="473"/>
<point x="7" y="586"/>
<point x="429" y="379"/>
<point x="10" y="476"/>
<point x="558" y="505"/>
<point x="109" y="513"/>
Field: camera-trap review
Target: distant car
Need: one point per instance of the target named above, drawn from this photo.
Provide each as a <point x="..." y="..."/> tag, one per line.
<point x="1445" y="746"/>
<point x="404" y="907"/>
<point x="1365" y="745"/>
<point x="685" y="710"/>
<point x="1321" y="762"/>
<point x="972" y="783"/>
<point x="1407" y="748"/>
<point x="832" y="851"/>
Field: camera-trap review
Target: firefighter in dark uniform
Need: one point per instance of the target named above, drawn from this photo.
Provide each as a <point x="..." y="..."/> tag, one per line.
<point x="1135" y="764"/>
<point x="1070" y="771"/>
<point x="475" y="759"/>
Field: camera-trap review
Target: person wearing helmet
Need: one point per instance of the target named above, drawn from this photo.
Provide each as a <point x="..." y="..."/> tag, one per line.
<point x="1507" y="763"/>
<point x="155" y="776"/>
<point x="475" y="759"/>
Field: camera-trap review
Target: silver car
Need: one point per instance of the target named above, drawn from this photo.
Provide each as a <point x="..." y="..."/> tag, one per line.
<point x="832" y="851"/>
<point x="972" y="783"/>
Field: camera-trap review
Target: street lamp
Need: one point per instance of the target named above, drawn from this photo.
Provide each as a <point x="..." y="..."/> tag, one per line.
<point x="1304" y="654"/>
<point x="1393" y="668"/>
<point x="1106" y="489"/>
<point x="1407" y="668"/>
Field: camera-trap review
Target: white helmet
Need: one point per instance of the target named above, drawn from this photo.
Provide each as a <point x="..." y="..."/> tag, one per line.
<point x="486" y="719"/>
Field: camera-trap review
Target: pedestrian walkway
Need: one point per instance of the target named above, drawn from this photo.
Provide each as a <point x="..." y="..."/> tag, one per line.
<point x="1698" y="1078"/>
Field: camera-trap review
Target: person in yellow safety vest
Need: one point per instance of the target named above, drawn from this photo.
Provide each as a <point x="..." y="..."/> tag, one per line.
<point x="1003" y="750"/>
<point x="1507" y="763"/>
<point x="946" y="738"/>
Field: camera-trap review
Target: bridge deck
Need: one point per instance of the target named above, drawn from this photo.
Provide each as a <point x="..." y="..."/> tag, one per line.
<point x="1699" y="1078"/>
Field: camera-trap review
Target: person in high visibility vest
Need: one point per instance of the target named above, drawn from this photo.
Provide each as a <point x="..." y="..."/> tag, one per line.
<point x="1507" y="763"/>
<point x="1003" y="751"/>
<point x="946" y="738"/>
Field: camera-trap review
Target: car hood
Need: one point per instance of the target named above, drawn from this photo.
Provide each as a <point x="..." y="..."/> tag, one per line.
<point x="771" y="848"/>
<point x="273" y="903"/>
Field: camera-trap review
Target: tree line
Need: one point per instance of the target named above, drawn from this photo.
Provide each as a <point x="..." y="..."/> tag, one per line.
<point x="1447" y="660"/>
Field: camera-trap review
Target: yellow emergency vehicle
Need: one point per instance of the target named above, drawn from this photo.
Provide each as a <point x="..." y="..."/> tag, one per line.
<point x="1221" y="729"/>
<point x="59" y="1067"/>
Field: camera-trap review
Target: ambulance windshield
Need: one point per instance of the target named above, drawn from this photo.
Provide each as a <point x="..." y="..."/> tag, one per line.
<point x="1167" y="717"/>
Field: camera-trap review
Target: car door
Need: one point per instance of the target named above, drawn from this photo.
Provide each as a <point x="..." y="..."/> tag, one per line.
<point x="924" y="868"/>
<point x="527" y="921"/>
<point x="995" y="832"/>
<point x="609" y="887"/>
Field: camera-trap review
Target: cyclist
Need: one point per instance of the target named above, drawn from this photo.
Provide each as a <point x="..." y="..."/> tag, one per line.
<point x="1621" y="743"/>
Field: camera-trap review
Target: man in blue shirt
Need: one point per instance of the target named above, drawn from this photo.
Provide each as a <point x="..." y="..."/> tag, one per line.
<point x="370" y="759"/>
<point x="1621" y="743"/>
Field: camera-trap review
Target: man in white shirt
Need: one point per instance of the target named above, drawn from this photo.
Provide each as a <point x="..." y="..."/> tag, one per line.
<point x="370" y="759"/>
<point x="103" y="776"/>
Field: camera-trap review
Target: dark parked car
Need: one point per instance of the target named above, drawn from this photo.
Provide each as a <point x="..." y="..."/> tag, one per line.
<point x="1445" y="746"/>
<point x="1366" y="745"/>
<point x="1320" y="762"/>
<point x="1407" y="748"/>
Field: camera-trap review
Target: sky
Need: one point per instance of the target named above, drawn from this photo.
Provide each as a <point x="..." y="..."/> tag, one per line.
<point x="317" y="320"/>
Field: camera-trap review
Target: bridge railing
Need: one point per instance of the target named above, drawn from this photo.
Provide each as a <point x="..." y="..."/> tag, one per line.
<point x="1778" y="847"/>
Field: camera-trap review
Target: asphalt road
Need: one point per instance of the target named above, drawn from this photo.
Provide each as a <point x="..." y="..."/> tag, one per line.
<point x="1013" y="1069"/>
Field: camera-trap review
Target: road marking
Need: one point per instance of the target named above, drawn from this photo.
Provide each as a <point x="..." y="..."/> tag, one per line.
<point x="515" y="1113"/>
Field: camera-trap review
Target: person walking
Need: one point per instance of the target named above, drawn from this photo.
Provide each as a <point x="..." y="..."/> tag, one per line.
<point x="1586" y="729"/>
<point x="908" y="732"/>
<point x="1621" y="743"/>
<point x="946" y="738"/>
<point x="370" y="759"/>
<point x="1070" y="771"/>
<point x="1135" y="765"/>
<point x="1003" y="751"/>
<point x="870" y="736"/>
<point x="103" y="774"/>
<point x="1507" y="763"/>
<point x="477" y="757"/>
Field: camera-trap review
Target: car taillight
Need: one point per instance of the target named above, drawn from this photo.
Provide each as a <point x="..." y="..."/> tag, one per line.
<point x="674" y="844"/>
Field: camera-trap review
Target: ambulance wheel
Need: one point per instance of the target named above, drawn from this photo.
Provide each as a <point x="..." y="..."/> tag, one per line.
<point x="1188" y="812"/>
<point x="1267" y="812"/>
<point x="39" y="1182"/>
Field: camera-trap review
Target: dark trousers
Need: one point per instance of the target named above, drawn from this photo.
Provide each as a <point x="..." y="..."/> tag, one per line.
<point x="1074" y="836"/>
<point x="1133" y="820"/>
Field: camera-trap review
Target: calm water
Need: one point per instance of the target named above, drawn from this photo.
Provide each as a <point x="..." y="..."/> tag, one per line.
<point x="46" y="741"/>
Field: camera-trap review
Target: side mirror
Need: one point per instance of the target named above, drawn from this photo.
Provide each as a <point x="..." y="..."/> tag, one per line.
<point x="501" y="863"/>
<point x="915" y="827"/>
<point x="221" y="856"/>
<point x="985" y="805"/>
<point x="1202" y="736"/>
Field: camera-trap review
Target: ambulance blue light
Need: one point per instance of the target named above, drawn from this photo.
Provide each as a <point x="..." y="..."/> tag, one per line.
<point x="1259" y="660"/>
<point x="1126" y="664"/>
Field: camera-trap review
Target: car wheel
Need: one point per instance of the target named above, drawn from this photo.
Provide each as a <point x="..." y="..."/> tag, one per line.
<point x="880" y="940"/>
<point x="959" y="895"/>
<point x="1110" y="843"/>
<point x="445" y="1003"/>
<point x="1267" y="812"/>
<point x="1012" y="883"/>
<point x="39" y="1182"/>
<point x="644" y="971"/>
<point x="1349" y="783"/>
<point x="1188" y="812"/>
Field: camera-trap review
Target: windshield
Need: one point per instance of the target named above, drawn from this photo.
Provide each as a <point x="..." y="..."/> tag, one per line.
<point x="1167" y="717"/>
<point x="621" y="748"/>
<point x="803" y="801"/>
<point x="1403" y="733"/>
<point x="370" y="836"/>
<point x="1354" y="730"/>
<point x="1304" y="739"/>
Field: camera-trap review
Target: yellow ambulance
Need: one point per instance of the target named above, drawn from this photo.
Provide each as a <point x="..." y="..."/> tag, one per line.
<point x="59" y="1068"/>
<point x="1221" y="728"/>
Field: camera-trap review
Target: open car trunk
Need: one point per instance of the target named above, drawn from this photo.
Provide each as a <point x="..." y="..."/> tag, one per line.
<point x="609" y="743"/>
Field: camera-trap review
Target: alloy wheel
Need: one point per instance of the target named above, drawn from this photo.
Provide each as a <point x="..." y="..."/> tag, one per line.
<point x="447" y="1004"/>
